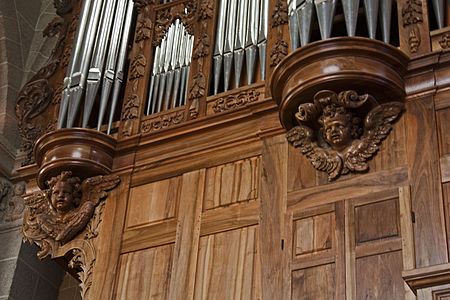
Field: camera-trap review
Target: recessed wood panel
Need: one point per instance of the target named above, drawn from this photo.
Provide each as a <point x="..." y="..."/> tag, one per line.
<point x="231" y="183"/>
<point x="376" y="221"/>
<point x="228" y="266"/>
<point x="314" y="234"/>
<point x="145" y="274"/>
<point x="380" y="277"/>
<point x="314" y="283"/>
<point x="153" y="202"/>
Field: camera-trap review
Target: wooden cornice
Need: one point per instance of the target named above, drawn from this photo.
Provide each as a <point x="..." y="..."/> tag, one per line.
<point x="427" y="277"/>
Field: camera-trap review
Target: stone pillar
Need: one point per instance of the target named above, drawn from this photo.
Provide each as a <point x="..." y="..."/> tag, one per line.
<point x="22" y="275"/>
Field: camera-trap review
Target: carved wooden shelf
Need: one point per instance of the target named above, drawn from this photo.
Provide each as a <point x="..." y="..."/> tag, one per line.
<point x="84" y="152"/>
<point x="364" y="65"/>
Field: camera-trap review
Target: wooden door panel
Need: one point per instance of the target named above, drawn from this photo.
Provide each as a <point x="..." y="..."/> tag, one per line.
<point x="314" y="283"/>
<point x="145" y="274"/>
<point x="228" y="265"/>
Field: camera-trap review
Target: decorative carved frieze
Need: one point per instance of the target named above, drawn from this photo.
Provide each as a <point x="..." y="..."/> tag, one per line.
<point x="235" y="101"/>
<point x="337" y="136"/>
<point x="55" y="216"/>
<point x="164" y="121"/>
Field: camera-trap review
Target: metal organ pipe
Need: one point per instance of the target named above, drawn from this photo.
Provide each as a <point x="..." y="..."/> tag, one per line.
<point x="170" y="73"/>
<point x="301" y="14"/>
<point x="97" y="62"/>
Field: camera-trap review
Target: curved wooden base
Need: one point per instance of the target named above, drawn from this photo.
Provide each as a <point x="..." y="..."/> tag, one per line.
<point x="84" y="152"/>
<point x="364" y="65"/>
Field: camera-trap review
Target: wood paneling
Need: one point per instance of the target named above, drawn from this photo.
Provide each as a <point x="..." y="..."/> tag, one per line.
<point x="426" y="194"/>
<point x="231" y="183"/>
<point x="376" y="221"/>
<point x="228" y="266"/>
<point x="314" y="283"/>
<point x="314" y="234"/>
<point x="153" y="202"/>
<point x="145" y="274"/>
<point x="379" y="276"/>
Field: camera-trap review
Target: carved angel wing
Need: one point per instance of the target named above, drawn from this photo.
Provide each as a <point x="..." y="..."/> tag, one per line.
<point x="322" y="159"/>
<point x="94" y="189"/>
<point x="377" y="127"/>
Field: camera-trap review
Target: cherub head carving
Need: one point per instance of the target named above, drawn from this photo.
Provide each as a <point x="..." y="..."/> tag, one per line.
<point x="332" y="136"/>
<point x="338" y="126"/>
<point x="65" y="192"/>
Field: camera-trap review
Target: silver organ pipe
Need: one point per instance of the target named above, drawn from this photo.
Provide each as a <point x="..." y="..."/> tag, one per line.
<point x="168" y="82"/>
<point x="438" y="8"/>
<point x="97" y="62"/>
<point x="241" y="33"/>
<point x="300" y="23"/>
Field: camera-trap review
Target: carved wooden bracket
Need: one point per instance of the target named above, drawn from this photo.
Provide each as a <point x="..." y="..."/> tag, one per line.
<point x="53" y="217"/>
<point x="340" y="130"/>
<point x="332" y="134"/>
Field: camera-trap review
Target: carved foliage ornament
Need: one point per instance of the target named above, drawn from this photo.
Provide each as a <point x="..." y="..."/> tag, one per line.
<point x="334" y="137"/>
<point x="412" y="12"/>
<point x="280" y="13"/>
<point x="55" y="216"/>
<point x="235" y="101"/>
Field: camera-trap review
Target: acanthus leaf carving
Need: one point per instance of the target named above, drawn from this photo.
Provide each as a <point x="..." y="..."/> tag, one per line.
<point x="206" y="10"/>
<point x="235" y="101"/>
<point x="137" y="66"/>
<point x="279" y="51"/>
<point x="55" y="216"/>
<point x="79" y="260"/>
<point x="141" y="4"/>
<point x="412" y="12"/>
<point x="143" y="29"/>
<point x="332" y="135"/>
<point x="201" y="48"/>
<point x="414" y="40"/>
<point x="129" y="113"/>
<point x="280" y="13"/>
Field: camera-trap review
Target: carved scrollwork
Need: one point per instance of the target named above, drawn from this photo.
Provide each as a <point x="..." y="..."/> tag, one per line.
<point x="55" y="216"/>
<point x="186" y="12"/>
<point x="235" y="101"/>
<point x="333" y="136"/>
<point x="163" y="121"/>
<point x="445" y="41"/>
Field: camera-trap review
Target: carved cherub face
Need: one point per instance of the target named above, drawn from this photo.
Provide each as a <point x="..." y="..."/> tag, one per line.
<point x="62" y="197"/>
<point x="336" y="126"/>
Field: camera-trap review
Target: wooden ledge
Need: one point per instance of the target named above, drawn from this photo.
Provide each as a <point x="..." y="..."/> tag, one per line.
<point x="427" y="277"/>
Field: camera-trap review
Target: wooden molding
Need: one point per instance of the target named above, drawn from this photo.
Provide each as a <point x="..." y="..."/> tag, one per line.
<point x="445" y="168"/>
<point x="427" y="277"/>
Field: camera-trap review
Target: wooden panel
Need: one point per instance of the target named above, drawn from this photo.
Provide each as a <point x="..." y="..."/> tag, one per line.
<point x="376" y="221"/>
<point x="445" y="168"/>
<point x="380" y="276"/>
<point x="314" y="283"/>
<point x="314" y="234"/>
<point x="145" y="274"/>
<point x="231" y="183"/>
<point x="443" y="117"/>
<point x="426" y="194"/>
<point x="228" y="266"/>
<point x="153" y="202"/>
<point x="188" y="235"/>
<point x="274" y="263"/>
